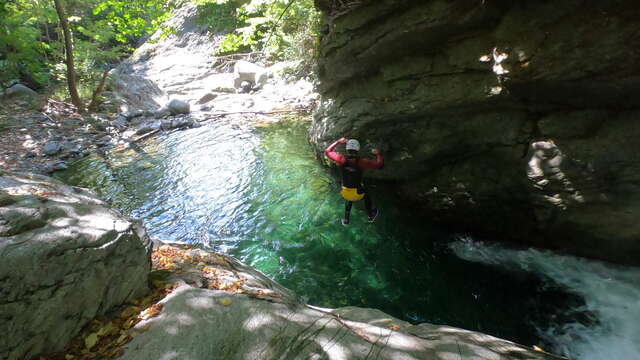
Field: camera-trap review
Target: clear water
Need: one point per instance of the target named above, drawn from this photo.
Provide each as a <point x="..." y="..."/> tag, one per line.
<point x="261" y="195"/>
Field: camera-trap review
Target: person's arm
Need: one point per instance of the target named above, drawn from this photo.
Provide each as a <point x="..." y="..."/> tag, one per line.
<point x="378" y="163"/>
<point x="334" y="156"/>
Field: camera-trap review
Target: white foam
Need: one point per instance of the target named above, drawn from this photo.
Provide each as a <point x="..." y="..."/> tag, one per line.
<point x="611" y="293"/>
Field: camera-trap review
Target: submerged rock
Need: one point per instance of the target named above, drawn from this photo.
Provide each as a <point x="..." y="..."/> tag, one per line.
<point x="66" y="258"/>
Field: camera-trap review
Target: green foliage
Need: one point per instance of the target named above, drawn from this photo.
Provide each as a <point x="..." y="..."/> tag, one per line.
<point x="104" y="31"/>
<point x="23" y="48"/>
<point x="284" y="29"/>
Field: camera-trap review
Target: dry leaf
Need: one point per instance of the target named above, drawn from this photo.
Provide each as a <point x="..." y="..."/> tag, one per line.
<point x="90" y="341"/>
<point x="107" y="329"/>
<point x="393" y="327"/>
<point x="225" y="301"/>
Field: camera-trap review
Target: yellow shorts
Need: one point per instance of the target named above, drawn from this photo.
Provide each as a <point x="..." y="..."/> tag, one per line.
<point x="351" y="194"/>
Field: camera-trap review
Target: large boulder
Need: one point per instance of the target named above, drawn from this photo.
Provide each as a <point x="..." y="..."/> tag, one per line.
<point x="462" y="97"/>
<point x="176" y="107"/>
<point x="257" y="318"/>
<point x="211" y="324"/>
<point x="19" y="90"/>
<point x="244" y="71"/>
<point x="66" y="258"/>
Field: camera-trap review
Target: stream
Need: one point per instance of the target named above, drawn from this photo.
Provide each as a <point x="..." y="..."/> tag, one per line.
<point x="258" y="192"/>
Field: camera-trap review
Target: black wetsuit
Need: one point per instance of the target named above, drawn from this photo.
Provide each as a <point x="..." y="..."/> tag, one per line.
<point x="352" y="178"/>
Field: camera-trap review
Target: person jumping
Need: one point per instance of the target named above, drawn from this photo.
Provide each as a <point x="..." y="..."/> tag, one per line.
<point x="352" y="167"/>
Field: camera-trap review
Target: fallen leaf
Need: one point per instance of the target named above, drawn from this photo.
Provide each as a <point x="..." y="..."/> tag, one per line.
<point x="90" y="341"/>
<point x="225" y="301"/>
<point x="393" y="327"/>
<point x="107" y="329"/>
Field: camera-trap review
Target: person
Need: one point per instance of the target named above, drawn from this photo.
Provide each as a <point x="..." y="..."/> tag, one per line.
<point x="352" y="167"/>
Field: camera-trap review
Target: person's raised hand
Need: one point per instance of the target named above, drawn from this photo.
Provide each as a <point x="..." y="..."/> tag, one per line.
<point x="375" y="151"/>
<point x="342" y="140"/>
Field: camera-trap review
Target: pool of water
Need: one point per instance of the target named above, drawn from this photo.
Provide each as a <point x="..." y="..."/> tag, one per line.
<point x="260" y="194"/>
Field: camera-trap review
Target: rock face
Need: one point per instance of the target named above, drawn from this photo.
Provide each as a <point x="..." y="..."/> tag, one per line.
<point x="513" y="119"/>
<point x="66" y="258"/>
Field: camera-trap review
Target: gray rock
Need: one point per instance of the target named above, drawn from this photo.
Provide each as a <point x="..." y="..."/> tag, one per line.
<point x="224" y="89"/>
<point x="177" y="123"/>
<point x="148" y="127"/>
<point x="53" y="166"/>
<point x="161" y="113"/>
<point x="51" y="148"/>
<point x="246" y="71"/>
<point x="133" y="114"/>
<point x="120" y="123"/>
<point x="19" y="90"/>
<point x="259" y="329"/>
<point x="207" y="97"/>
<point x="66" y="258"/>
<point x="245" y="87"/>
<point x="176" y="107"/>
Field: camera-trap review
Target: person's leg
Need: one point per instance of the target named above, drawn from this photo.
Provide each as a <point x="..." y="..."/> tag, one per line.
<point x="347" y="211"/>
<point x="372" y="212"/>
<point x="368" y="203"/>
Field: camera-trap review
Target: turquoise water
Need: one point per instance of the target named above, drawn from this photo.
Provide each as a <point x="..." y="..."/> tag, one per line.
<point x="260" y="194"/>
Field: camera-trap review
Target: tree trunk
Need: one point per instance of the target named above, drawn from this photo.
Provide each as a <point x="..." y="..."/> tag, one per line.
<point x="96" y="94"/>
<point x="71" y="70"/>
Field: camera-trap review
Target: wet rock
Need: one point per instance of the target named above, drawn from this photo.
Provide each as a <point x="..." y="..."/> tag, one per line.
<point x="133" y="114"/>
<point x="177" y="123"/>
<point x="176" y="107"/>
<point x="51" y="148"/>
<point x="148" y="127"/>
<point x="66" y="258"/>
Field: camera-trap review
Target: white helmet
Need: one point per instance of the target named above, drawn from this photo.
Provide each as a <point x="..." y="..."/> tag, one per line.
<point x="353" y="144"/>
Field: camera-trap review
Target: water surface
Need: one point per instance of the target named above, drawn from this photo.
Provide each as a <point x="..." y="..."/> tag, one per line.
<point x="260" y="194"/>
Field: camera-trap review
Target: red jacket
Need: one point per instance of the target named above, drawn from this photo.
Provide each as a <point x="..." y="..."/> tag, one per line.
<point x="362" y="162"/>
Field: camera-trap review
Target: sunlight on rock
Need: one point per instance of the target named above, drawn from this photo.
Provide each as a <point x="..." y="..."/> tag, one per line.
<point x="544" y="170"/>
<point x="201" y="302"/>
<point x="495" y="90"/>
<point x="257" y="321"/>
